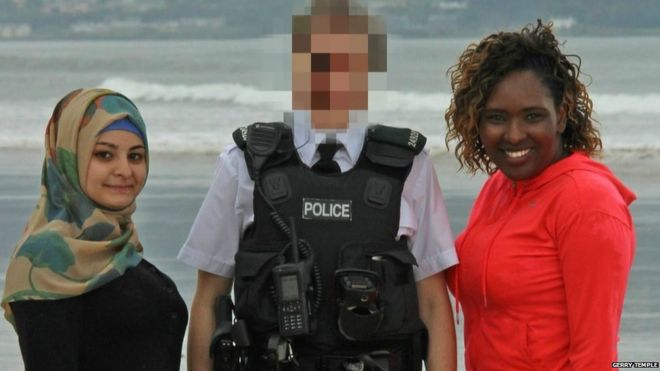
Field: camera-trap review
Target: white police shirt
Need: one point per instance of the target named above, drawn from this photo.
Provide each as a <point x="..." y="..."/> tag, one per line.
<point x="227" y="209"/>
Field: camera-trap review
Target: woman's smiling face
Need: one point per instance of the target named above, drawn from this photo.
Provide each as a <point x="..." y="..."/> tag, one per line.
<point x="520" y="127"/>
<point x="117" y="170"/>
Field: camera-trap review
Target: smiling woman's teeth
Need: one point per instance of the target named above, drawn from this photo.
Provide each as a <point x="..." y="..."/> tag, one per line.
<point x="516" y="154"/>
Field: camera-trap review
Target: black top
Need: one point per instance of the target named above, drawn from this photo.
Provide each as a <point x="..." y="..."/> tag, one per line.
<point x="136" y="322"/>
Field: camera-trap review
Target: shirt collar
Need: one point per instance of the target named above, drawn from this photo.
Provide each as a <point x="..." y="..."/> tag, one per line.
<point x="307" y="139"/>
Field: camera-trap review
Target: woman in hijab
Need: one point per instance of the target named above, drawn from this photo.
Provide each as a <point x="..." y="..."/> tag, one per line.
<point x="78" y="291"/>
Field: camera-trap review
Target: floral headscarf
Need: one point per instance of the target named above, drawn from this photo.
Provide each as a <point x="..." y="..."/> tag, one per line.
<point x="71" y="245"/>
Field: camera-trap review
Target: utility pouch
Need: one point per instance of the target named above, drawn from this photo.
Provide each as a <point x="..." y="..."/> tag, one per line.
<point x="358" y="296"/>
<point x="392" y="263"/>
<point x="254" y="288"/>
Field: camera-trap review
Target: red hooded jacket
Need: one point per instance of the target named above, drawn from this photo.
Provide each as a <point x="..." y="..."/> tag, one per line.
<point x="543" y="269"/>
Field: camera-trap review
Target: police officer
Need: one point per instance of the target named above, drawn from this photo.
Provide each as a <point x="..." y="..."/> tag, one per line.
<point x="334" y="47"/>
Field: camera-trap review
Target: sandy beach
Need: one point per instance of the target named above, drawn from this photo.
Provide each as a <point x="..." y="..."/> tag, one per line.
<point x="178" y="183"/>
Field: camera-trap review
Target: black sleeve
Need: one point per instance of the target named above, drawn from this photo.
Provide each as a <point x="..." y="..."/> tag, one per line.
<point x="49" y="333"/>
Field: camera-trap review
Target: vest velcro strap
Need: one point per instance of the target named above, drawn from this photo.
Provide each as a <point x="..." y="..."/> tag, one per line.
<point x="389" y="155"/>
<point x="400" y="137"/>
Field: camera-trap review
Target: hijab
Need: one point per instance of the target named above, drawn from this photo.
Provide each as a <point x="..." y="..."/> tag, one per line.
<point x="70" y="244"/>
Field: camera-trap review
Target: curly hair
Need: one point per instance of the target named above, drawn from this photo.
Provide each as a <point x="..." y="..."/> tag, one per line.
<point x="483" y="65"/>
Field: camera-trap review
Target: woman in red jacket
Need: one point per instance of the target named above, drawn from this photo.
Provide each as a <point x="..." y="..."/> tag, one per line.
<point x="545" y="257"/>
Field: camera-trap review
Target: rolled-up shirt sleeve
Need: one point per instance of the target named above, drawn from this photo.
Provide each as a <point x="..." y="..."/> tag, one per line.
<point x="215" y="233"/>
<point x="425" y="221"/>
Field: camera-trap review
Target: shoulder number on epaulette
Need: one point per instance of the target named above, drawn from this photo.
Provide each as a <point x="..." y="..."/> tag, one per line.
<point x="240" y="137"/>
<point x="401" y="137"/>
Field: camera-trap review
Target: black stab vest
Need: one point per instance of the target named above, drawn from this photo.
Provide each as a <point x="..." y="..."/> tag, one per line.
<point x="347" y="218"/>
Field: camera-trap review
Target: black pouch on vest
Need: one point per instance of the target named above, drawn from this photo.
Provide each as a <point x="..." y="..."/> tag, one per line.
<point x="392" y="262"/>
<point x="360" y="309"/>
<point x="254" y="287"/>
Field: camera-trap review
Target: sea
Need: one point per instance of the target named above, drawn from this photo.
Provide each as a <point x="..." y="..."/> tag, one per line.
<point x="193" y="94"/>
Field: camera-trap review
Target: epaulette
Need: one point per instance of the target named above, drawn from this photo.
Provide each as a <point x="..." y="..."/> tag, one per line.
<point x="392" y="146"/>
<point x="402" y="137"/>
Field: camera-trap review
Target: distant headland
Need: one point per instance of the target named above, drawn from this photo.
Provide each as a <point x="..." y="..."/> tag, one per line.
<point x="210" y="19"/>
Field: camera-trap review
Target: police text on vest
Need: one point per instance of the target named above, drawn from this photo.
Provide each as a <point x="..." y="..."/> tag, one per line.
<point x="325" y="209"/>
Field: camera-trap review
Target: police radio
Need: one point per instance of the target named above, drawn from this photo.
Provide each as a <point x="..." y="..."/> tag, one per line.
<point x="291" y="283"/>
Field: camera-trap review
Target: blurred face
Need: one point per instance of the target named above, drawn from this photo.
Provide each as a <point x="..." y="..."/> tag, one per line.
<point x="520" y="127"/>
<point x="117" y="169"/>
<point x="332" y="78"/>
